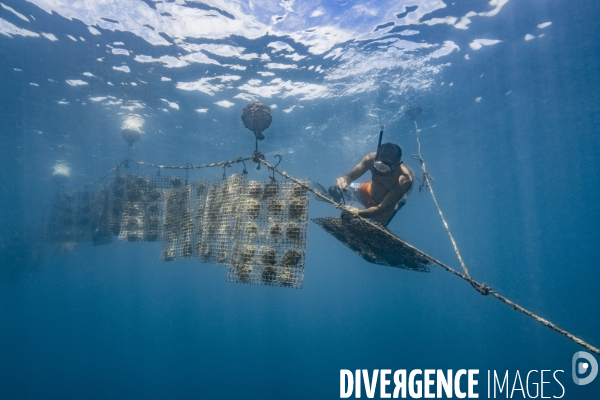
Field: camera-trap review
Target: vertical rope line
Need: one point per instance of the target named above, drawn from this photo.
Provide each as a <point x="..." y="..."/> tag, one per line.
<point x="425" y="176"/>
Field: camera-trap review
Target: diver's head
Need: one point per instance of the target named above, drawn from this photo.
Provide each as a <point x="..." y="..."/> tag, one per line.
<point x="388" y="158"/>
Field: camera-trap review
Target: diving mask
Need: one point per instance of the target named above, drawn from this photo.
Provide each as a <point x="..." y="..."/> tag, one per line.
<point x="382" y="167"/>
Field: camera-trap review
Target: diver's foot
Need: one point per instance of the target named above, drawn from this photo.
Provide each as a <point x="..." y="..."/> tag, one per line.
<point x="334" y="193"/>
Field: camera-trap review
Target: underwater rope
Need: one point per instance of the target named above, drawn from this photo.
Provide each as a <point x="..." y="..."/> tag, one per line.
<point x="99" y="179"/>
<point x="426" y="182"/>
<point x="190" y="166"/>
<point x="160" y="166"/>
<point x="480" y="287"/>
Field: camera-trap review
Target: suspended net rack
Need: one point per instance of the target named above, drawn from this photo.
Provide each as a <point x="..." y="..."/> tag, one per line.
<point x="257" y="228"/>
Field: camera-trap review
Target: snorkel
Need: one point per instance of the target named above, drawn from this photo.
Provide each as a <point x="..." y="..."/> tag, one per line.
<point x="380" y="137"/>
<point x="379" y="167"/>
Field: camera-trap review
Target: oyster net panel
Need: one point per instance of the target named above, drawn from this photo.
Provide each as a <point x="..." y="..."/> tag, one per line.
<point x="183" y="212"/>
<point x="374" y="245"/>
<point x="142" y="206"/>
<point x="271" y="243"/>
<point x="118" y="188"/>
<point x="60" y="224"/>
<point x="83" y="215"/>
<point x="222" y="213"/>
<point x="71" y="218"/>
<point x="101" y="217"/>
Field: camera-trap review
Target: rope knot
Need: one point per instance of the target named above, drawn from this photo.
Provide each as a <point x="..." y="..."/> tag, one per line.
<point x="257" y="156"/>
<point x="418" y="158"/>
<point x="482" y="288"/>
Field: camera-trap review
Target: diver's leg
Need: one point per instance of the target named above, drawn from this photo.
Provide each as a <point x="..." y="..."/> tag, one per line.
<point x="387" y="217"/>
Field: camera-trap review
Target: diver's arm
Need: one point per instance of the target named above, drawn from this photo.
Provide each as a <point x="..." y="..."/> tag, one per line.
<point x="358" y="171"/>
<point x="390" y="200"/>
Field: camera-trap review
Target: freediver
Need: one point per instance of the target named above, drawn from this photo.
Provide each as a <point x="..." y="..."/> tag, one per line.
<point x="388" y="190"/>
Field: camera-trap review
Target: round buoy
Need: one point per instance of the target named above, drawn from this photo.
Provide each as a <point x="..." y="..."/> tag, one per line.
<point x="131" y="135"/>
<point x="257" y="117"/>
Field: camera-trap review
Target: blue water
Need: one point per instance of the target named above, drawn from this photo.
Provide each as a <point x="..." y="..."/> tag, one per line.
<point x="509" y="133"/>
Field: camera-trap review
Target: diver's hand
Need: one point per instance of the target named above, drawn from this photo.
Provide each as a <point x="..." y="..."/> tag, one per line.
<point x="349" y="212"/>
<point x="341" y="183"/>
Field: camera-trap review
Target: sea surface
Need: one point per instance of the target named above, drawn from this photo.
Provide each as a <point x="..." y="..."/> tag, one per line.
<point x="509" y="131"/>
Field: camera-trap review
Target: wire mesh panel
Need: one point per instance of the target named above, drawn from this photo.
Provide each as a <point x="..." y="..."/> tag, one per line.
<point x="70" y="219"/>
<point x="198" y="198"/>
<point x="118" y="188"/>
<point x="61" y="227"/>
<point x="223" y="210"/>
<point x="373" y="245"/>
<point x="143" y="205"/>
<point x="183" y="211"/>
<point x="271" y="243"/>
<point x="82" y="215"/>
<point x="101" y="217"/>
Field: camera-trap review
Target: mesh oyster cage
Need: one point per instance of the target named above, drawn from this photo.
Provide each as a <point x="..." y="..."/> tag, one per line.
<point x="221" y="220"/>
<point x="142" y="206"/>
<point x="82" y="213"/>
<point x="257" y="229"/>
<point x="71" y="218"/>
<point x="118" y="187"/>
<point x="61" y="224"/>
<point x="183" y="212"/>
<point x="373" y="245"/>
<point x="270" y="245"/>
<point x="101" y="217"/>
